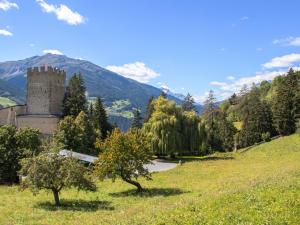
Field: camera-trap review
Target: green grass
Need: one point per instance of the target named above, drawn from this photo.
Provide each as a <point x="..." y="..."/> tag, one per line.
<point x="258" y="186"/>
<point x="6" y="102"/>
<point x="118" y="109"/>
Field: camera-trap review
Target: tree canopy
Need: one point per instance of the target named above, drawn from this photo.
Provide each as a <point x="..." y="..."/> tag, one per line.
<point x="124" y="155"/>
<point x="53" y="172"/>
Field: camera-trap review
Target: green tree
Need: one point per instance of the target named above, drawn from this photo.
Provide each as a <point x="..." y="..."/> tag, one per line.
<point x="257" y="120"/>
<point x="29" y="141"/>
<point x="164" y="127"/>
<point x="75" y="99"/>
<point x="188" y="103"/>
<point x="149" y="109"/>
<point x="225" y="132"/>
<point x="53" y="172"/>
<point x="137" y="119"/>
<point x="209" y="118"/>
<point x="296" y="110"/>
<point x="76" y="134"/>
<point x="282" y="107"/>
<point x="86" y="134"/>
<point x="14" y="145"/>
<point x="100" y="120"/>
<point x="193" y="133"/>
<point x="124" y="155"/>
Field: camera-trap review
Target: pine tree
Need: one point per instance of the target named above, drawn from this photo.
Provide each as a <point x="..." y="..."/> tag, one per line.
<point x="163" y="94"/>
<point x="296" y="106"/>
<point x="282" y="107"/>
<point x="188" y="103"/>
<point x="86" y="134"/>
<point x="149" y="109"/>
<point x="257" y="121"/>
<point x="137" y="119"/>
<point x="100" y="120"/>
<point x="225" y="132"/>
<point x="75" y="99"/>
<point x="209" y="117"/>
<point x="91" y="111"/>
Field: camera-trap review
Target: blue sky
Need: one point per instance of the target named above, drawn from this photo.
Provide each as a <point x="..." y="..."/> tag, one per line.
<point x="185" y="45"/>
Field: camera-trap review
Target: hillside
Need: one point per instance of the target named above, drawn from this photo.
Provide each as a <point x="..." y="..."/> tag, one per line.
<point x="258" y="186"/>
<point x="110" y="86"/>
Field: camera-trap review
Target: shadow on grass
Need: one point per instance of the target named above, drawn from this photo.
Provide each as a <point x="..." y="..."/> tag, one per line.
<point x="150" y="192"/>
<point x="184" y="159"/>
<point x="76" y="205"/>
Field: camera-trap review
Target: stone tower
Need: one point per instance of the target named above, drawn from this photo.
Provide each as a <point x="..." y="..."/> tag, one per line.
<point x="45" y="91"/>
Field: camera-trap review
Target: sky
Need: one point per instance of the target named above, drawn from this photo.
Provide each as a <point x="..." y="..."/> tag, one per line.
<point x="183" y="45"/>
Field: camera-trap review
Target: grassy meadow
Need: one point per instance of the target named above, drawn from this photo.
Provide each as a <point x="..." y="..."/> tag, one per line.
<point x="257" y="186"/>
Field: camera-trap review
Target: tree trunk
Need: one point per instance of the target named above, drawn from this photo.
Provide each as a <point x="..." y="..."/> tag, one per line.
<point x="135" y="183"/>
<point x="56" y="197"/>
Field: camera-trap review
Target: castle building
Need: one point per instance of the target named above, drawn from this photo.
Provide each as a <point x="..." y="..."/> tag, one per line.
<point x="43" y="108"/>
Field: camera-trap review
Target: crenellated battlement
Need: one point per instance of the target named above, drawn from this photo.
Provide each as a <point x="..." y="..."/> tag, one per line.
<point x="45" y="70"/>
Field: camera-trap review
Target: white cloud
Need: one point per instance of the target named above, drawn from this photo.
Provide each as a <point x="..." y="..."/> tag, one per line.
<point x="6" y="5"/>
<point x="282" y="61"/>
<point x="276" y="66"/>
<point x="136" y="71"/>
<point x="62" y="12"/>
<point x="230" y="78"/>
<point x="5" y="32"/>
<point x="52" y="51"/>
<point x="201" y="99"/>
<point x="217" y="83"/>
<point x="289" y="41"/>
<point x="224" y="90"/>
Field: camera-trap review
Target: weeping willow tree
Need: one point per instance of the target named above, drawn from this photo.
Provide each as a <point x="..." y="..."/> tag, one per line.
<point x="193" y="133"/>
<point x="171" y="130"/>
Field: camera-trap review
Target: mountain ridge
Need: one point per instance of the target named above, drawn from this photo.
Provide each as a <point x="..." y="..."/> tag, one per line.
<point x="108" y="85"/>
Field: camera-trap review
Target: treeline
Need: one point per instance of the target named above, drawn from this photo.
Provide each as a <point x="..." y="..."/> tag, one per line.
<point x="266" y="110"/>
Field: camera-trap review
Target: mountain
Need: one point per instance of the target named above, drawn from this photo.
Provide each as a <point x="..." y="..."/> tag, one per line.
<point x="120" y="94"/>
<point x="199" y="107"/>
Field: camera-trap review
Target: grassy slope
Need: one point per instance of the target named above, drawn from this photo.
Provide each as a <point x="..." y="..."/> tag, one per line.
<point x="5" y="102"/>
<point x="260" y="186"/>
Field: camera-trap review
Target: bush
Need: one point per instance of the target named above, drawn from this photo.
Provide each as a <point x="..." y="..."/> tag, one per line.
<point x="266" y="137"/>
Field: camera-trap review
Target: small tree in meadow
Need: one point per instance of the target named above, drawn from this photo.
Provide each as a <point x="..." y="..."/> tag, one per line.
<point x="53" y="172"/>
<point x="124" y="155"/>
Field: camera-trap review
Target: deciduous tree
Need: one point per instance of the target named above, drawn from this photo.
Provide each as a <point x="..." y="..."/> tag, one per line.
<point x="124" y="155"/>
<point x="53" y="172"/>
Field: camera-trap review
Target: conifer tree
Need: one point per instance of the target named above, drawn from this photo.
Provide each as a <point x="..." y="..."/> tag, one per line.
<point x="75" y="99"/>
<point x="163" y="94"/>
<point x="149" y="109"/>
<point x="209" y="117"/>
<point x="100" y="120"/>
<point x="188" y="103"/>
<point x="257" y="121"/>
<point x="225" y="132"/>
<point x="137" y="119"/>
<point x="296" y="108"/>
<point x="282" y="106"/>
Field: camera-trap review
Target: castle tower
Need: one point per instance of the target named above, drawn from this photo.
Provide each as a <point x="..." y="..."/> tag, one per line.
<point x="45" y="91"/>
